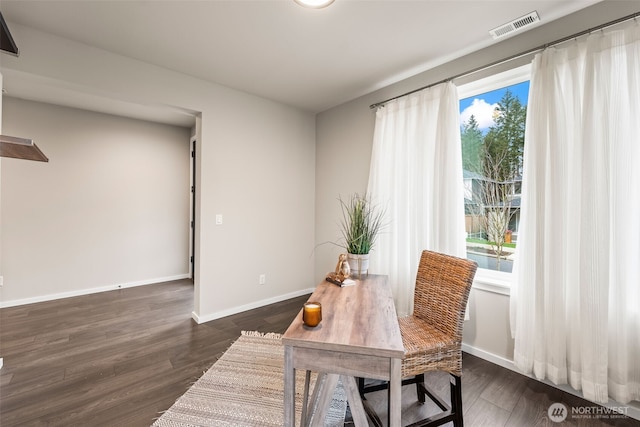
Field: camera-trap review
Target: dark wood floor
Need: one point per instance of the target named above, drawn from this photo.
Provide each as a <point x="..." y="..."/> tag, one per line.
<point x="120" y="358"/>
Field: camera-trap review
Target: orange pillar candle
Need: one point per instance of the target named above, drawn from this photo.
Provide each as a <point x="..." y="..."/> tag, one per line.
<point x="312" y="313"/>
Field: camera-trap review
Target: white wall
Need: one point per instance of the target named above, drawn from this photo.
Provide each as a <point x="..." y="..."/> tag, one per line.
<point x="1" y="96"/>
<point x="255" y="167"/>
<point x="257" y="171"/>
<point x="487" y="333"/>
<point x="343" y="151"/>
<point x="110" y="208"/>
<point x="346" y="130"/>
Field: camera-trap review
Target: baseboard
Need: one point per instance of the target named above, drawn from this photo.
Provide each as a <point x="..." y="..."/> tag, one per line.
<point x="632" y="410"/>
<point x="80" y="292"/>
<point x="490" y="357"/>
<point x="239" y="309"/>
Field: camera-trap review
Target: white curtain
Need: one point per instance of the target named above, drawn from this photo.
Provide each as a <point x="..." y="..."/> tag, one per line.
<point x="575" y="303"/>
<point x="416" y="174"/>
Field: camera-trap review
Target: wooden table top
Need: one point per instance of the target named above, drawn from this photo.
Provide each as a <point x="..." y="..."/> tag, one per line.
<point x="359" y="318"/>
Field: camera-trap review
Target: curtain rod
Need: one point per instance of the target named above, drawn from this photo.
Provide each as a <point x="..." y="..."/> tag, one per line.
<point x="513" y="57"/>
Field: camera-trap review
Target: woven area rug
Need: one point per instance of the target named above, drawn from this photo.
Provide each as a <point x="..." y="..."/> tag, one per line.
<point x="245" y="388"/>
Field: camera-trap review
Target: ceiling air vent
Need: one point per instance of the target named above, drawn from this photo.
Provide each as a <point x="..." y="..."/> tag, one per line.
<point x="515" y="25"/>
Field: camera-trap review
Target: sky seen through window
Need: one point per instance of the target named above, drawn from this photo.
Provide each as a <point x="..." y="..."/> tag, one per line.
<point x="483" y="105"/>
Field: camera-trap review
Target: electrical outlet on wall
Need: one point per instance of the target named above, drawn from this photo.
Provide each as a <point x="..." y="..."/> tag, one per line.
<point x="262" y="279"/>
<point x="1" y="281"/>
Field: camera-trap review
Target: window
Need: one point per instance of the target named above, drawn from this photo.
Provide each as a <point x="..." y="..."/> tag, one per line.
<point x="492" y="123"/>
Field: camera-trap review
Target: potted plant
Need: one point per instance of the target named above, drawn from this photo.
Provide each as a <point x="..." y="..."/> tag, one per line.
<point x="361" y="223"/>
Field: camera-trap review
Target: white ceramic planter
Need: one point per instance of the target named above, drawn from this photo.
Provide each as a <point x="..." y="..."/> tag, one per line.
<point x="359" y="263"/>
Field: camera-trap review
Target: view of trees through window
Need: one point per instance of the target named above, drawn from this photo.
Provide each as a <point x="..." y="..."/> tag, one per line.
<point x="492" y="130"/>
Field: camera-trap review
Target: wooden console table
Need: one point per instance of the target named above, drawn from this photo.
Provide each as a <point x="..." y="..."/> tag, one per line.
<point x="359" y="336"/>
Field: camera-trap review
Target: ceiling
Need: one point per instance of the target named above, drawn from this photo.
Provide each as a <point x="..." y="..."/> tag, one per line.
<point x="307" y="58"/>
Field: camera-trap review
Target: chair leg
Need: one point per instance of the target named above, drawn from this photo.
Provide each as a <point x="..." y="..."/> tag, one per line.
<point x="456" y="400"/>
<point x="420" y="388"/>
<point x="451" y="413"/>
<point x="361" y="387"/>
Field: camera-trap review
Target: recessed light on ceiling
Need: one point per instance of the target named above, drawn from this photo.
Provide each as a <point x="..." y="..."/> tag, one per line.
<point x="314" y="4"/>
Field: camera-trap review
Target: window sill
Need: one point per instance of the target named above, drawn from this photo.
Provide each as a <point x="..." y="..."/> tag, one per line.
<point x="493" y="281"/>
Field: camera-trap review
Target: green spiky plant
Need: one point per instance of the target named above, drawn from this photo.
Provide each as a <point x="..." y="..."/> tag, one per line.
<point x="361" y="223"/>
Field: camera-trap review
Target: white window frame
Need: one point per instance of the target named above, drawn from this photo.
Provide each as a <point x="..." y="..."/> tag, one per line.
<point x="485" y="279"/>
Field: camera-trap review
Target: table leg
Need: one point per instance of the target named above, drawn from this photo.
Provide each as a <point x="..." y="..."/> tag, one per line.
<point x="395" y="390"/>
<point x="324" y="396"/>
<point x="305" y="399"/>
<point x="289" y="388"/>
<point x="355" y="402"/>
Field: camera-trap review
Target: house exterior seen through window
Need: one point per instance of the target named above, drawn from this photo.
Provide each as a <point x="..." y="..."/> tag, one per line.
<point x="492" y="133"/>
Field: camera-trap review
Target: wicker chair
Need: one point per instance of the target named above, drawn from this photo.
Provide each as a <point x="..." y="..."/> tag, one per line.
<point x="432" y="336"/>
